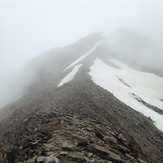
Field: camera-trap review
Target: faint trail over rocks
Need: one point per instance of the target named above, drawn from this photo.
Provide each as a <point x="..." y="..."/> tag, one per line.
<point x="70" y="139"/>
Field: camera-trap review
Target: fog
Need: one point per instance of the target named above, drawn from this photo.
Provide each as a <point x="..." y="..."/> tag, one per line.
<point x="31" y="27"/>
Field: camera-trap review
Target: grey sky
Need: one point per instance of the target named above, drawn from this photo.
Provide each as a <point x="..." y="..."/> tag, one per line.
<point x="28" y="27"/>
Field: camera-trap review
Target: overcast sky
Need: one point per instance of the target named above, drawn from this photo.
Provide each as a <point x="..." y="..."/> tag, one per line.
<point x="29" y="27"/>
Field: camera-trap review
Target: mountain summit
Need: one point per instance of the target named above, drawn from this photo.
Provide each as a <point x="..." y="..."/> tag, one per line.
<point x="84" y="103"/>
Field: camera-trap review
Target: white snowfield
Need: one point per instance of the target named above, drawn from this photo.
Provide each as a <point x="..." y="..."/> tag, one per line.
<point x="70" y="76"/>
<point x="126" y="82"/>
<point x="84" y="56"/>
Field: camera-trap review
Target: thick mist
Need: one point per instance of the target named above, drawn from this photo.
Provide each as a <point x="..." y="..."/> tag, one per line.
<point x="133" y="29"/>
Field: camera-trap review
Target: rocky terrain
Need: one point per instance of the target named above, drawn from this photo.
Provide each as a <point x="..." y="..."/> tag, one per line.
<point x="69" y="139"/>
<point x="76" y="122"/>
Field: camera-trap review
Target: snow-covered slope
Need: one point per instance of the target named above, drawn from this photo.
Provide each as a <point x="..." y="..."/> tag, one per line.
<point x="140" y="90"/>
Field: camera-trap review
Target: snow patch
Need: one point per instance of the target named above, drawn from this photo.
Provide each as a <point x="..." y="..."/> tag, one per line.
<point x="70" y="76"/>
<point x="84" y="56"/>
<point x="147" y="86"/>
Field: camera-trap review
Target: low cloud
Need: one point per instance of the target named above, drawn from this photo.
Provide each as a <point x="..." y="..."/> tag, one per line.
<point x="28" y="28"/>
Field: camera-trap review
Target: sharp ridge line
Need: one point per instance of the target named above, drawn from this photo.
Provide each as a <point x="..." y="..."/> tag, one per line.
<point x="84" y="56"/>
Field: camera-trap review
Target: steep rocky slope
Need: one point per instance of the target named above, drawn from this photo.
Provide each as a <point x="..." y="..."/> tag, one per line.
<point x="78" y="121"/>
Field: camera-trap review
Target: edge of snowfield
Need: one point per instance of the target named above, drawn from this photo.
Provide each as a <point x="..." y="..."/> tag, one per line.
<point x="145" y="85"/>
<point x="84" y="56"/>
<point x="70" y="76"/>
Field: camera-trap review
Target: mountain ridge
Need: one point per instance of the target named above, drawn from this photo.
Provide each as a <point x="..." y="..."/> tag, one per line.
<point x="79" y="97"/>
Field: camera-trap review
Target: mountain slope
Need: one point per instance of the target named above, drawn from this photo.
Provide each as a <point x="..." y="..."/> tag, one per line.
<point x="65" y="86"/>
